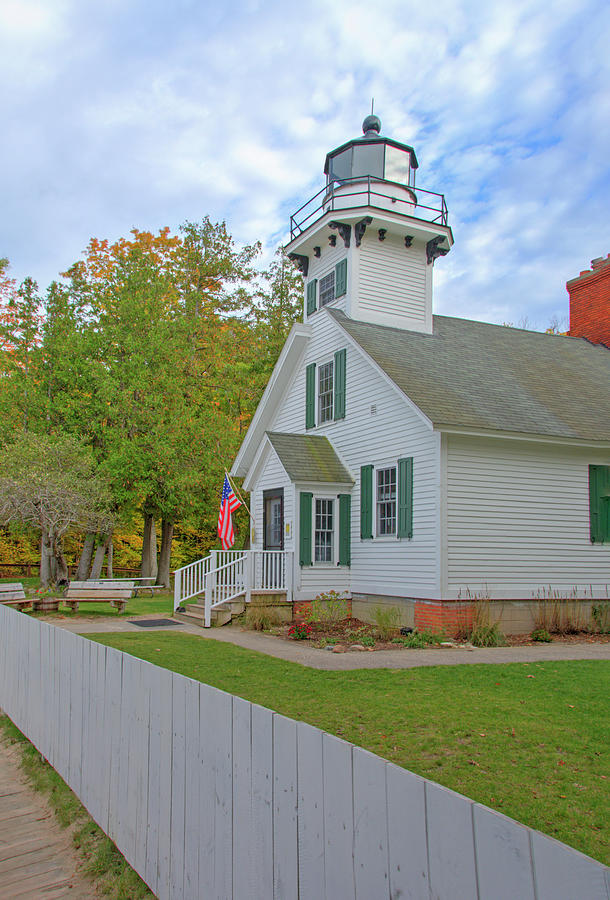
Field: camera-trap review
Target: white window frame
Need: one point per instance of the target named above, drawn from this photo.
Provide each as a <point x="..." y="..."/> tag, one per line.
<point x="329" y="418"/>
<point x="334" y="545"/>
<point x="328" y="275"/>
<point x="389" y="535"/>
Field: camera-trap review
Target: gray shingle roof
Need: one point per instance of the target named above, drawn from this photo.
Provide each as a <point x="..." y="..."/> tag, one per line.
<point x="490" y="377"/>
<point x="309" y="457"/>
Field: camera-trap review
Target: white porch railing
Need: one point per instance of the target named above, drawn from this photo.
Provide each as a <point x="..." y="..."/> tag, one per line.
<point x="225" y="575"/>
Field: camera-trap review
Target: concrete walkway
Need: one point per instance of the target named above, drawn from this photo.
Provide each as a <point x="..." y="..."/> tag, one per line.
<point x="37" y="858"/>
<point x="301" y="652"/>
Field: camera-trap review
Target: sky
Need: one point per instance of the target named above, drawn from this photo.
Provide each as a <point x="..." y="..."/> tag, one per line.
<point x="127" y="113"/>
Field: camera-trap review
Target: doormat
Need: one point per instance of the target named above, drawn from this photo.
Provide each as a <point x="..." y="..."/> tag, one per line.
<point x="152" y="623"/>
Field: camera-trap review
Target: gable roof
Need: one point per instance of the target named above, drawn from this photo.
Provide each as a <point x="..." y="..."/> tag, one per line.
<point x="474" y="375"/>
<point x="309" y="457"/>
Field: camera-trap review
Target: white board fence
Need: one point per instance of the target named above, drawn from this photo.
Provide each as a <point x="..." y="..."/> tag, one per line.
<point x="210" y="796"/>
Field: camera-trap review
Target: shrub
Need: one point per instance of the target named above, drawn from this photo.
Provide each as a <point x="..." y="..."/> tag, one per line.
<point x="387" y="619"/>
<point x="367" y="640"/>
<point x="300" y="631"/>
<point x="487" y="636"/>
<point x="260" y="618"/>
<point x="541" y="635"/>
<point x="327" y="609"/>
<point x="560" y="614"/>
<point x="600" y="615"/>
<point x="418" y="640"/>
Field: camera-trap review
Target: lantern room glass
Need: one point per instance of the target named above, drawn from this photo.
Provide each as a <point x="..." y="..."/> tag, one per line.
<point x="374" y="159"/>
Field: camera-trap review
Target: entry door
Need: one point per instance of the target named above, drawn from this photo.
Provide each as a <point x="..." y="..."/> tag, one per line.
<point x="273" y="519"/>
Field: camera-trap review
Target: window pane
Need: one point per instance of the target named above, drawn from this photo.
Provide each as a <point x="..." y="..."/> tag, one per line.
<point x="341" y="165"/>
<point x="368" y="160"/>
<point x="386" y="501"/>
<point x="325" y="392"/>
<point x="397" y="165"/>
<point x="327" y="289"/>
<point x="323" y="537"/>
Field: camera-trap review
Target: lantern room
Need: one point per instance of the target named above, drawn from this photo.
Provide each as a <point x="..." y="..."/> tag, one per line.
<point x="372" y="156"/>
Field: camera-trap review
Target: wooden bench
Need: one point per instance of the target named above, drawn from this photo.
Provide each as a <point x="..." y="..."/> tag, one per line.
<point x="14" y="595"/>
<point x="116" y="593"/>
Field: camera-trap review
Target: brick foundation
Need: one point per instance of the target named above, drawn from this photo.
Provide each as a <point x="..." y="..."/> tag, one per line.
<point x="450" y="617"/>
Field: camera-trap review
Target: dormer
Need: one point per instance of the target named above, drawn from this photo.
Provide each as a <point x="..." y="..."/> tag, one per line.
<point x="367" y="241"/>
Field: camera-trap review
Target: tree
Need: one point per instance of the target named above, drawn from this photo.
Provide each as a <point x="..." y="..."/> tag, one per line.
<point x="52" y="483"/>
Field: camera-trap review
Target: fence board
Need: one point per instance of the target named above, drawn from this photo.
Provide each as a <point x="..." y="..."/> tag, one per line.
<point x="285" y="794"/>
<point x="151" y="872"/>
<point x="209" y="796"/>
<point x="262" y="803"/>
<point x="450" y="844"/>
<point x="504" y="862"/>
<point x="370" y="827"/>
<point x="164" y="698"/>
<point x="564" y="874"/>
<point x="176" y="880"/>
<point x="407" y="838"/>
<point x="338" y="818"/>
<point x="192" y="795"/>
<point x="242" y="798"/>
<point x="215" y="794"/>
<point x="310" y="812"/>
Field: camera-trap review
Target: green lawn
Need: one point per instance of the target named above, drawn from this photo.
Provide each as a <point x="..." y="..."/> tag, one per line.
<point x="531" y="740"/>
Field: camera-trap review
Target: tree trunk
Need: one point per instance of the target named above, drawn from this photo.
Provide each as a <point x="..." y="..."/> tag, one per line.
<point x="167" y="533"/>
<point x="148" y="568"/>
<point x="46" y="559"/>
<point x="61" y="567"/>
<point x="100" y="553"/>
<point x="109" y="571"/>
<point x="84" y="563"/>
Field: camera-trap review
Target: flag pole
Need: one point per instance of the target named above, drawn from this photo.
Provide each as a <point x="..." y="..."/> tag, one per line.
<point x="239" y="495"/>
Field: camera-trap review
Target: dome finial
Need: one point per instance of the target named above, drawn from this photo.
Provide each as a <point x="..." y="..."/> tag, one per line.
<point x="370" y="124"/>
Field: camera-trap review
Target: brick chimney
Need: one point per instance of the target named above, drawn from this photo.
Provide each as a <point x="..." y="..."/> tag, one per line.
<point x="590" y="302"/>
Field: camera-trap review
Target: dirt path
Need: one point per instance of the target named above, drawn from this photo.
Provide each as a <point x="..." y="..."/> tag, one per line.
<point x="37" y="858"/>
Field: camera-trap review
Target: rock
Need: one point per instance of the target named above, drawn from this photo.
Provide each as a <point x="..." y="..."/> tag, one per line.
<point x="357" y="647"/>
<point x="447" y="644"/>
<point x="338" y="649"/>
<point x="330" y="647"/>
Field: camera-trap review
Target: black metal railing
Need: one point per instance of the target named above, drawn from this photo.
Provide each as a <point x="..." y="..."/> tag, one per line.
<point x="369" y="191"/>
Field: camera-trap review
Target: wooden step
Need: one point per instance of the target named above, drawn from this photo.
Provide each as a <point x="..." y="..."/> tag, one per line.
<point x="188" y="618"/>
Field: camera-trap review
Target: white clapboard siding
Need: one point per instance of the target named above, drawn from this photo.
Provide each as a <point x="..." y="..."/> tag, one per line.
<point x="393" y="280"/>
<point x="381" y="566"/>
<point x="518" y="519"/>
<point x="211" y="797"/>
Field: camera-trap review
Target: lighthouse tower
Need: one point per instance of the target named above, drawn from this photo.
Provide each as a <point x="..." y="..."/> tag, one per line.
<point x="366" y="243"/>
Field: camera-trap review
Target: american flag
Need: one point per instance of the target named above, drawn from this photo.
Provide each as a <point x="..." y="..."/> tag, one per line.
<point x="228" y="504"/>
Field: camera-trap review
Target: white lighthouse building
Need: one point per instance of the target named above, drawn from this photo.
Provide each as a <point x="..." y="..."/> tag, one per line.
<point x="415" y="460"/>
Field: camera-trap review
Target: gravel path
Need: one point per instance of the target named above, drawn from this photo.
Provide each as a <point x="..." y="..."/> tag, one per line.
<point x="301" y="652"/>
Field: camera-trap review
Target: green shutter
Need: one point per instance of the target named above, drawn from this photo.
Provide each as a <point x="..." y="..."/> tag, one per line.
<point x="341" y="278"/>
<point x="345" y="524"/>
<point x="366" y="502"/>
<point x="312" y="289"/>
<point x="310" y="396"/>
<point x="405" y="497"/>
<point x="305" y="504"/>
<point x="599" y="504"/>
<point x="339" y="405"/>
